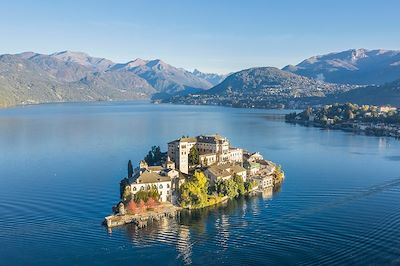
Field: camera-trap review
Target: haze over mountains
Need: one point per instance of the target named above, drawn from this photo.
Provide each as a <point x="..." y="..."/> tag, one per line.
<point x="75" y="76"/>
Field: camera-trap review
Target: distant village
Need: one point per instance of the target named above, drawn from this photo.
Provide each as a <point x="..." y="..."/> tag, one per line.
<point x="367" y="119"/>
<point x="195" y="172"/>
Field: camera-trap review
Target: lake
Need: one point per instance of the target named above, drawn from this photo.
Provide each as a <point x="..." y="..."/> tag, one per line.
<point x="60" y="167"/>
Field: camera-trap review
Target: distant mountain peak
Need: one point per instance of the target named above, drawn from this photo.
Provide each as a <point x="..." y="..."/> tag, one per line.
<point x="136" y="62"/>
<point x="354" y="66"/>
<point x="158" y="63"/>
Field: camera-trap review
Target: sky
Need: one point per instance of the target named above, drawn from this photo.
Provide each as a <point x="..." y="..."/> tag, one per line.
<point x="213" y="36"/>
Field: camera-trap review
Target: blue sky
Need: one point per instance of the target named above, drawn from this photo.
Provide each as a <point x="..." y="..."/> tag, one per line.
<point x="213" y="36"/>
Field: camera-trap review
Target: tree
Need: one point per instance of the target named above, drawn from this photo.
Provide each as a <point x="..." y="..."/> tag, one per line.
<point x="154" y="155"/>
<point x="249" y="185"/>
<point x="122" y="186"/>
<point x="131" y="207"/>
<point x="130" y="169"/>
<point x="151" y="203"/>
<point x="240" y="184"/>
<point x="141" y="205"/>
<point x="144" y="195"/>
<point x="194" y="156"/>
<point x="193" y="193"/>
<point x="140" y="195"/>
<point x="126" y="195"/>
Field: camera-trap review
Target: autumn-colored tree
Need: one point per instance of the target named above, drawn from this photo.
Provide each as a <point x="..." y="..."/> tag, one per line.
<point x="142" y="205"/>
<point x="132" y="207"/>
<point x="151" y="203"/>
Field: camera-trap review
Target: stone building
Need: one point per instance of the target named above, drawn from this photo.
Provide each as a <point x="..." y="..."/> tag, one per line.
<point x="166" y="180"/>
<point x="225" y="171"/>
<point x="212" y="149"/>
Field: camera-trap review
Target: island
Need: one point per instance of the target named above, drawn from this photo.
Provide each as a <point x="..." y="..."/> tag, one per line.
<point x="195" y="172"/>
<point x="367" y="119"/>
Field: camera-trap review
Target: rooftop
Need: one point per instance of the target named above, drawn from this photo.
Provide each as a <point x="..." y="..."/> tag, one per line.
<point x="150" y="177"/>
<point x="224" y="170"/>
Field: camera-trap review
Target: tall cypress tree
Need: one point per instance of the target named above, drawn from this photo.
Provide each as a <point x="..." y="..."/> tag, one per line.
<point x="130" y="169"/>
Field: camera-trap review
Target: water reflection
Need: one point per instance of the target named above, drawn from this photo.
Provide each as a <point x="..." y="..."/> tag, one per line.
<point x="184" y="246"/>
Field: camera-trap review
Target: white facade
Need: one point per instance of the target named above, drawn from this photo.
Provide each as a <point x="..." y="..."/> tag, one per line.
<point x="207" y="159"/>
<point x="264" y="182"/>
<point x="178" y="151"/>
<point x="163" y="188"/>
<point x="236" y="155"/>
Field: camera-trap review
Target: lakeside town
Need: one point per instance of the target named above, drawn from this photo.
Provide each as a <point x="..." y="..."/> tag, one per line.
<point x="195" y="172"/>
<point x="366" y="119"/>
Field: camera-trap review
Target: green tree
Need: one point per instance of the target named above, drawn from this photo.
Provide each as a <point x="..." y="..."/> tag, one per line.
<point x="193" y="193"/>
<point x="249" y="185"/>
<point x="122" y="185"/>
<point x="240" y="184"/>
<point x="154" y="156"/>
<point x="130" y="169"/>
<point x="227" y="188"/>
<point x="126" y="195"/>
<point x="194" y="156"/>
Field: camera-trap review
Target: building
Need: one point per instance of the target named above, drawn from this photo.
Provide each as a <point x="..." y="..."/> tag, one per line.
<point x="252" y="168"/>
<point x="178" y="152"/>
<point x="264" y="182"/>
<point x="147" y="180"/>
<point x="166" y="180"/>
<point x="235" y="155"/>
<point x="253" y="157"/>
<point x="213" y="149"/>
<point x="225" y="171"/>
<point x="207" y="159"/>
<point x="214" y="144"/>
<point x="386" y="109"/>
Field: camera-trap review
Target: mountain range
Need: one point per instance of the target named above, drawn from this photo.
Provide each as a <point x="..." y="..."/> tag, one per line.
<point x="264" y="87"/>
<point x="356" y="74"/>
<point x="355" y="66"/>
<point x="75" y="76"/>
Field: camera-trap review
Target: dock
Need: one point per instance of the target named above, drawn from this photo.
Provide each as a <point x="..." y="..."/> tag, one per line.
<point x="141" y="220"/>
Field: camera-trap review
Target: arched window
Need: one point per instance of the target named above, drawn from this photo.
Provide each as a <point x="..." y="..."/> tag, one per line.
<point x="160" y="186"/>
<point x="167" y="185"/>
<point x="134" y="188"/>
<point x="142" y="188"/>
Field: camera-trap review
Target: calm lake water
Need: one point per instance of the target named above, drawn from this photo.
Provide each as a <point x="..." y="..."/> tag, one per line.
<point x="60" y="167"/>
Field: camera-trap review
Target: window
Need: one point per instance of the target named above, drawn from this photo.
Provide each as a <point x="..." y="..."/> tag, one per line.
<point x="161" y="186"/>
<point x="142" y="188"/>
<point x="134" y="188"/>
<point x="167" y="185"/>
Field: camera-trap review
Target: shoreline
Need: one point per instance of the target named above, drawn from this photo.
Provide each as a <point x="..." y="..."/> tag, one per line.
<point x="170" y="211"/>
<point x="370" y="131"/>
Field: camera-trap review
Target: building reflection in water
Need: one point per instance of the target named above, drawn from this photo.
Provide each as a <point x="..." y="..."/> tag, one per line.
<point x="267" y="193"/>
<point x="222" y="226"/>
<point x="183" y="245"/>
